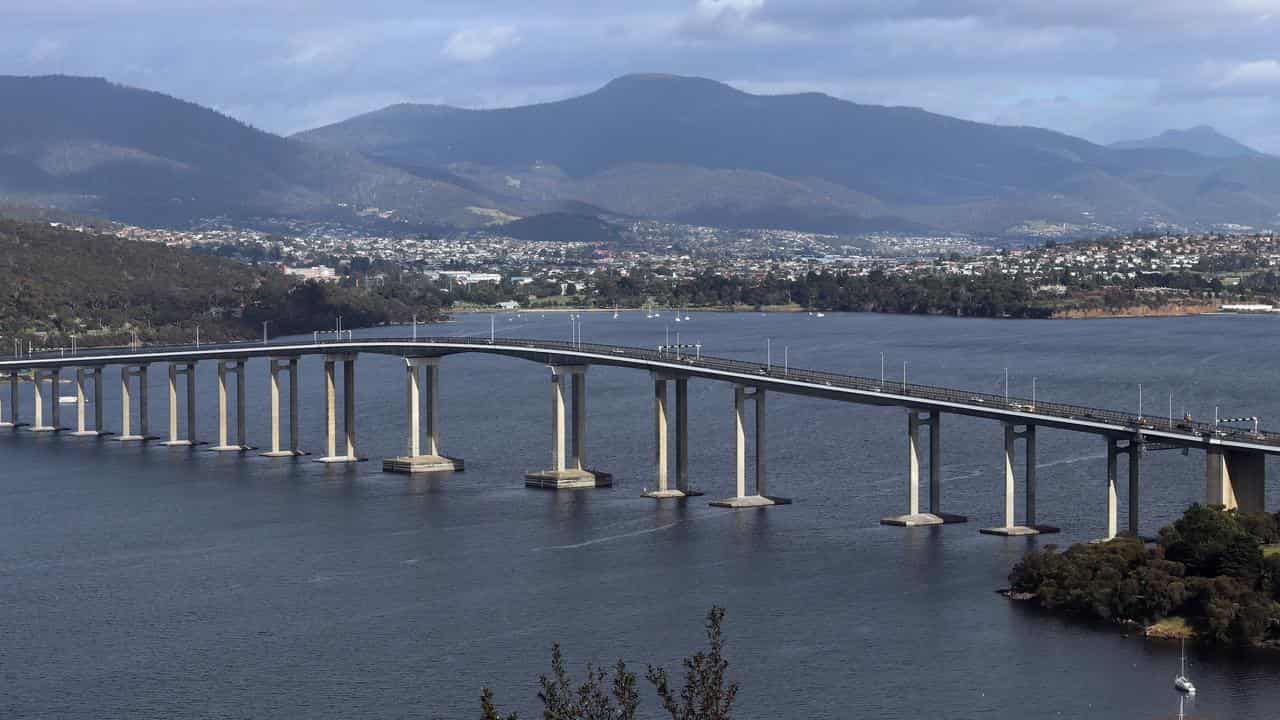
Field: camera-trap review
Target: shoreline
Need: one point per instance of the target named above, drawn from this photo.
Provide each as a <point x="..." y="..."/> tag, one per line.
<point x="1128" y="314"/>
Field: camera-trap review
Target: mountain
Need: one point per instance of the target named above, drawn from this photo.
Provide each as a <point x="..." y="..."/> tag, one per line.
<point x="561" y="227"/>
<point x="1201" y="139"/>
<point x="696" y="150"/>
<point x="88" y="145"/>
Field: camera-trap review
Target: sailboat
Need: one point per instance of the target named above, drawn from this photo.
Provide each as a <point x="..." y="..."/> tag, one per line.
<point x="1182" y="682"/>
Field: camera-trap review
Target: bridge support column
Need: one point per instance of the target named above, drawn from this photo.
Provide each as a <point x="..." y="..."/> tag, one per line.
<point x="1235" y="479"/>
<point x="230" y="367"/>
<point x="576" y="474"/>
<point x="661" y="418"/>
<point x="422" y="374"/>
<point x="277" y="366"/>
<point x="1133" y="448"/>
<point x="81" y="400"/>
<point x="15" y="403"/>
<point x="760" y="498"/>
<point x="38" y="379"/>
<point x="1030" y="526"/>
<point x="348" y="361"/>
<point x="935" y="516"/>
<point x="126" y="402"/>
<point x="188" y="371"/>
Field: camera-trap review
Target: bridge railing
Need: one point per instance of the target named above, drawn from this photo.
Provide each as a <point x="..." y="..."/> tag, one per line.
<point x="742" y="367"/>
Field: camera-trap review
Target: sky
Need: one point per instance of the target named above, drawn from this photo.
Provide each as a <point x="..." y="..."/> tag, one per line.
<point x="1105" y="70"/>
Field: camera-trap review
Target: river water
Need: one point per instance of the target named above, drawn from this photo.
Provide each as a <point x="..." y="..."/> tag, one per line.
<point x="164" y="583"/>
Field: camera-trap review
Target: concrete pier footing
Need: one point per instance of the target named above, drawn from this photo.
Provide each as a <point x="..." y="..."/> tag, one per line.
<point x="568" y="479"/>
<point x="923" y="519"/>
<point x="414" y="464"/>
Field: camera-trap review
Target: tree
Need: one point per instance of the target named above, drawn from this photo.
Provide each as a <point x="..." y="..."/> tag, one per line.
<point x="487" y="710"/>
<point x="595" y="699"/>
<point x="705" y="695"/>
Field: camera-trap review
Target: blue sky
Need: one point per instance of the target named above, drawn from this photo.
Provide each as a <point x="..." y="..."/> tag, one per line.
<point x="1103" y="69"/>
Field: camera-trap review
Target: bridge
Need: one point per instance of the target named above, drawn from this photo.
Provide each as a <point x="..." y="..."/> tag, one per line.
<point x="1234" y="467"/>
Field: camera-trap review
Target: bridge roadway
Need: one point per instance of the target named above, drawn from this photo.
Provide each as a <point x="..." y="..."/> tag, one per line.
<point x="1126" y="433"/>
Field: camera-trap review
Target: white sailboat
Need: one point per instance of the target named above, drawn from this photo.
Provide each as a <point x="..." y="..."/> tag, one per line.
<point x="1182" y="682"/>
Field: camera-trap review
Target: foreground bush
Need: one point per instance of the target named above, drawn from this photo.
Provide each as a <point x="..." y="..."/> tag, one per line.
<point x="706" y="694"/>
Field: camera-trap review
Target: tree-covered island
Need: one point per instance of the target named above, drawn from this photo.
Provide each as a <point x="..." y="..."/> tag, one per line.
<point x="1212" y="574"/>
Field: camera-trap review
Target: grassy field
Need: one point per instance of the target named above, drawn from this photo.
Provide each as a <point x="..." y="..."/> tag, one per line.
<point x="1173" y="626"/>
<point x="1269" y="550"/>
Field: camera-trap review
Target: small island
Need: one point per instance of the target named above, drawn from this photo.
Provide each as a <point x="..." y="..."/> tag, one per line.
<point x="1213" y="574"/>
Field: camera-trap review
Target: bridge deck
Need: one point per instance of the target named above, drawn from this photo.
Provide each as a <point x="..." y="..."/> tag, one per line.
<point x="817" y="383"/>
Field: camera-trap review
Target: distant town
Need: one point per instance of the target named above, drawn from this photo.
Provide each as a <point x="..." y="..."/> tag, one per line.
<point x="1146" y="273"/>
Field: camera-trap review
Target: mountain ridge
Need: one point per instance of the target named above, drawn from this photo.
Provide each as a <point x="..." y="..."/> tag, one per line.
<point x="811" y="156"/>
<point x="97" y="146"/>
<point x="1201" y="139"/>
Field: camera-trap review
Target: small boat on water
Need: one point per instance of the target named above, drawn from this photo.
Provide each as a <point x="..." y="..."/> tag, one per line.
<point x="1182" y="682"/>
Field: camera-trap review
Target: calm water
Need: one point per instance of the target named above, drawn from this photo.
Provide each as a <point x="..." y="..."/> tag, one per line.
<point x="163" y="583"/>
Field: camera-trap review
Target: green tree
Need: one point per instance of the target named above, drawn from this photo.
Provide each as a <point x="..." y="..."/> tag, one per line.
<point x="705" y="695"/>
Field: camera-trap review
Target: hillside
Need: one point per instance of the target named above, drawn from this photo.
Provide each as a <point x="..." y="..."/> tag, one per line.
<point x="693" y="149"/>
<point x="1202" y="140"/>
<point x="86" y="145"/>
<point x="56" y="282"/>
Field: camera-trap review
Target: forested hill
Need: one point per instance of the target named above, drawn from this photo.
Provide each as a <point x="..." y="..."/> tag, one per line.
<point x="56" y="282"/>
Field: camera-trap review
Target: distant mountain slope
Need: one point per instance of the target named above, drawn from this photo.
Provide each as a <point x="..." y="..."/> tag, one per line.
<point x="1202" y="140"/>
<point x="678" y="147"/>
<point x="89" y="145"/>
<point x="561" y="227"/>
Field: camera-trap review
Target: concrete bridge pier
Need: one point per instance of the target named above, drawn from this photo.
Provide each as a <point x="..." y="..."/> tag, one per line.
<point x="278" y="365"/>
<point x="574" y="473"/>
<point x="38" y="379"/>
<point x="1030" y="525"/>
<point x="760" y="498"/>
<point x="126" y="402"/>
<point x="81" y="400"/>
<point x="935" y="516"/>
<point x="188" y="371"/>
<point x="348" y="361"/>
<point x="1236" y="479"/>
<point x="422" y="374"/>
<point x="1133" y="449"/>
<point x="661" y="455"/>
<point x="230" y="367"/>
<point x="15" y="403"/>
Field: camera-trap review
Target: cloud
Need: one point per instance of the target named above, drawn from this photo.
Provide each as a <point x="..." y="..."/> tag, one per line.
<point x="729" y="19"/>
<point x="471" y="46"/>
<point x="45" y="50"/>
